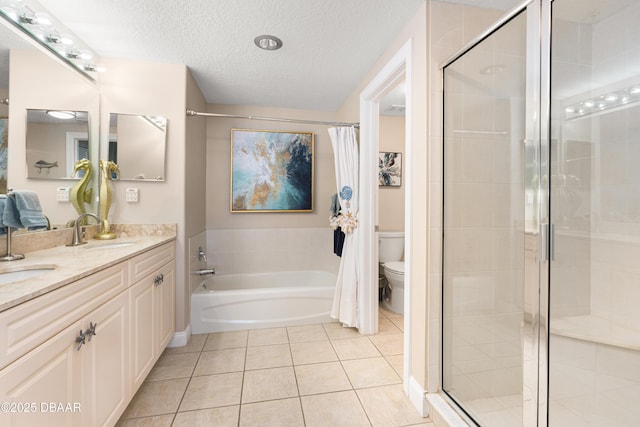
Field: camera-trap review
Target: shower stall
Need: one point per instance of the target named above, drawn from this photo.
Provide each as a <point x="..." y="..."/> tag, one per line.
<point x="541" y="218"/>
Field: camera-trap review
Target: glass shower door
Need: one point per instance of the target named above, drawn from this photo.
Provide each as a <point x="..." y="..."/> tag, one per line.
<point x="484" y="227"/>
<point x="594" y="282"/>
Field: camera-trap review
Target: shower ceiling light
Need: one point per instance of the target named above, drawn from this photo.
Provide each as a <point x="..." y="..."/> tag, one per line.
<point x="268" y="42"/>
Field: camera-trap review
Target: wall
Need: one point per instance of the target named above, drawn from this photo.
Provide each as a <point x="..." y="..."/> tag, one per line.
<point x="219" y="168"/>
<point x="416" y="31"/>
<point x="252" y="242"/>
<point x="137" y="87"/>
<point x="39" y="82"/>
<point x="391" y="199"/>
<point x="195" y="186"/>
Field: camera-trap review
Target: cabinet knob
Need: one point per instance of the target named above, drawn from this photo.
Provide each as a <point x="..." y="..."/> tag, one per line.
<point x="80" y="339"/>
<point x="91" y="331"/>
<point x="159" y="279"/>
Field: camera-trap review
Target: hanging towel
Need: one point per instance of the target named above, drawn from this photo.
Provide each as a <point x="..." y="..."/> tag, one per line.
<point x="23" y="210"/>
<point x="338" y="241"/>
<point x="3" y="204"/>
<point x="10" y="214"/>
<point x="338" y="235"/>
<point x="335" y="205"/>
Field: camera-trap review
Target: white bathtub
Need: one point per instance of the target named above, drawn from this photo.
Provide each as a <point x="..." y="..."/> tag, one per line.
<point x="231" y="302"/>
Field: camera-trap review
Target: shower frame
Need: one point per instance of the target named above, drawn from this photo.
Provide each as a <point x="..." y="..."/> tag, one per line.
<point x="536" y="282"/>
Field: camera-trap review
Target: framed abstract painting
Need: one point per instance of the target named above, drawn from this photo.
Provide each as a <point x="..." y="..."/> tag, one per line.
<point x="390" y="169"/>
<point x="271" y="171"/>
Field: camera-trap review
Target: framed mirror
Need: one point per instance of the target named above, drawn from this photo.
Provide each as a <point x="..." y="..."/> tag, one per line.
<point x="137" y="144"/>
<point x="56" y="140"/>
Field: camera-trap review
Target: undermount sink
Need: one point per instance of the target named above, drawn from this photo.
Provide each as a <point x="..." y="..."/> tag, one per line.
<point x="110" y="245"/>
<point x="15" y="274"/>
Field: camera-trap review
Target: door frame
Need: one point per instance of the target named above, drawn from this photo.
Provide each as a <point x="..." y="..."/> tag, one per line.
<point x="396" y="69"/>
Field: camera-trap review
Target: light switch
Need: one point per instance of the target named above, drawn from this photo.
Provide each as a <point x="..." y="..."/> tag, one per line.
<point x="131" y="195"/>
<point x="62" y="194"/>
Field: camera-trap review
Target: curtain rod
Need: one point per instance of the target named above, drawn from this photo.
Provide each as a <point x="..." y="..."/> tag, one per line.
<point x="272" y="119"/>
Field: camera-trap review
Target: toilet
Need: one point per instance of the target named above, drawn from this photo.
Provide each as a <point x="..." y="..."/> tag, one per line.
<point x="391" y="259"/>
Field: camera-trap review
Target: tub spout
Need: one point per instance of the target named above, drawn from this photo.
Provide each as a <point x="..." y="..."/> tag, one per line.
<point x="205" y="271"/>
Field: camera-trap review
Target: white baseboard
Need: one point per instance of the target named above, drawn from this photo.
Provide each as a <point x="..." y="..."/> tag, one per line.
<point x="180" y="339"/>
<point x="417" y="397"/>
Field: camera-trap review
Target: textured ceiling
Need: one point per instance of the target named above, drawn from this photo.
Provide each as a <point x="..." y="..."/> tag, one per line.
<point x="328" y="45"/>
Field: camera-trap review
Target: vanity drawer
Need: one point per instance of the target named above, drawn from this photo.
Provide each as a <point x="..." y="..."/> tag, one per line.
<point x="145" y="264"/>
<point x="28" y="325"/>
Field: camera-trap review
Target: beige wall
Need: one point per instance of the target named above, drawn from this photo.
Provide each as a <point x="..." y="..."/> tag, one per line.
<point x="196" y="161"/>
<point x="137" y="87"/>
<point x="391" y="199"/>
<point x="39" y="82"/>
<point x="416" y="31"/>
<point x="219" y="168"/>
<point x="195" y="189"/>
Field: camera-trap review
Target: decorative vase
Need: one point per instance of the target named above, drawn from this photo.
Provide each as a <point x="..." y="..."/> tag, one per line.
<point x="107" y="168"/>
<point x="82" y="192"/>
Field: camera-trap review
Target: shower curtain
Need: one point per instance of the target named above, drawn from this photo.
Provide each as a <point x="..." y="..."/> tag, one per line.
<point x="345" y="155"/>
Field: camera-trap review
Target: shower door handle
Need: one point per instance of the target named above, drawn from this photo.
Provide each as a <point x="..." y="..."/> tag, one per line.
<point x="548" y="242"/>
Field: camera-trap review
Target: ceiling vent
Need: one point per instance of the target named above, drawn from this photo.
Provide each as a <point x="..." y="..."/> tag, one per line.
<point x="395" y="108"/>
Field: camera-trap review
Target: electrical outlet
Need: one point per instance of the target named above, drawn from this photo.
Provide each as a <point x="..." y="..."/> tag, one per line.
<point x="62" y="194"/>
<point x="131" y="195"/>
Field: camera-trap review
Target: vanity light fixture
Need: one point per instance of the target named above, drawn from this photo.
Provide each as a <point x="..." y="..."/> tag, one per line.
<point x="268" y="42"/>
<point x="64" y="115"/>
<point x="612" y="99"/>
<point x="48" y="33"/>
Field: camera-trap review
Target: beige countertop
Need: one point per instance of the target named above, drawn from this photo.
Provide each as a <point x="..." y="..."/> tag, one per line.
<point x="71" y="264"/>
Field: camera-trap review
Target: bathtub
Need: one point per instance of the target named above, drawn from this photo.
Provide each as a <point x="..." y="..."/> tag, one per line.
<point x="231" y="302"/>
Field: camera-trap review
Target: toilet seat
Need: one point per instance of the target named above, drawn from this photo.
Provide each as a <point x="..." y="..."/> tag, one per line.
<point x="395" y="267"/>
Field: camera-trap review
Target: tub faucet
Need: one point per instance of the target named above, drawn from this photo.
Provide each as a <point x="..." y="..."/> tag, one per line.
<point x="77" y="236"/>
<point x="205" y="271"/>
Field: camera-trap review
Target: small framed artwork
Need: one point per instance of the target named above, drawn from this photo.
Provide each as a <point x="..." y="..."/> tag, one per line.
<point x="271" y="171"/>
<point x="390" y="169"/>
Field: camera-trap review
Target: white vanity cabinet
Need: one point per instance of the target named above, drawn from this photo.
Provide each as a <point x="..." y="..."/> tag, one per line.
<point x="152" y="301"/>
<point x="55" y="371"/>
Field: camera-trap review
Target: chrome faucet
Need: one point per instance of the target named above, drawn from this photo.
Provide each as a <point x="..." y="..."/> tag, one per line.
<point x="202" y="256"/>
<point x="77" y="236"/>
<point x="205" y="271"/>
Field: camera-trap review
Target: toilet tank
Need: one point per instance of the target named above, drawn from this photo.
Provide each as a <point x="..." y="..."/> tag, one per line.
<point x="390" y="246"/>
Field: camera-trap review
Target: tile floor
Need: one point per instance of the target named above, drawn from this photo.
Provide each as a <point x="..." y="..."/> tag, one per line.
<point x="316" y="375"/>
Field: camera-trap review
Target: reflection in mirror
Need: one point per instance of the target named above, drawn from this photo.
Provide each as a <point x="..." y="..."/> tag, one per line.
<point x="137" y="145"/>
<point x="8" y="40"/>
<point x="39" y="81"/>
<point x="56" y="140"/>
<point x="4" y="140"/>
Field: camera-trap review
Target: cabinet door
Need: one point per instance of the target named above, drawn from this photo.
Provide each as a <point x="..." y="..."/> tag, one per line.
<point x="43" y="386"/>
<point x="106" y="362"/>
<point x="143" y="342"/>
<point x="165" y="307"/>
